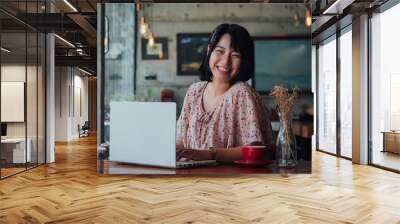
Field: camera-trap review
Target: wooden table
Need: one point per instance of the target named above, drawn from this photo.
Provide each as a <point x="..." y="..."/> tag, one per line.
<point x="108" y="167"/>
<point x="391" y="141"/>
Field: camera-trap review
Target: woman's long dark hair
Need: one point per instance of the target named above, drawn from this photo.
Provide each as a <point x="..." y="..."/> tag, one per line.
<point x="241" y="42"/>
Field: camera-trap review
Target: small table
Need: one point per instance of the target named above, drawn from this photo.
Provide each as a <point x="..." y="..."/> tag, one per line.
<point x="391" y="141"/>
<point x="13" y="150"/>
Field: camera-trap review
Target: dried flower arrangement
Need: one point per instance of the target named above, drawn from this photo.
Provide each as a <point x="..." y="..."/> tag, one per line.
<point x="285" y="102"/>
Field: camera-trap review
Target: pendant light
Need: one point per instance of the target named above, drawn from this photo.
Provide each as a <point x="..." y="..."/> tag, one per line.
<point x="308" y="18"/>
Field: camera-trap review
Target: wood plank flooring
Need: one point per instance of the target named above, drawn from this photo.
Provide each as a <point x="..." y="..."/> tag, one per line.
<point x="387" y="159"/>
<point x="71" y="191"/>
<point x="10" y="171"/>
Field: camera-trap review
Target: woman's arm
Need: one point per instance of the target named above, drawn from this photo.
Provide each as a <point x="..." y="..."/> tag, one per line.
<point x="228" y="155"/>
<point x="223" y="155"/>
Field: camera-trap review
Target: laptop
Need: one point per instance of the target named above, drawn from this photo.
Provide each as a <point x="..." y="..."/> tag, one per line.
<point x="143" y="133"/>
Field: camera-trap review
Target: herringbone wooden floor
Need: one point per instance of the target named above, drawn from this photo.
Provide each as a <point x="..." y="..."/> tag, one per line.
<point x="70" y="191"/>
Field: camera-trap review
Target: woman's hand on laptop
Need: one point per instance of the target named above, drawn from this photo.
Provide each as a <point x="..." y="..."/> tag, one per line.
<point x="193" y="154"/>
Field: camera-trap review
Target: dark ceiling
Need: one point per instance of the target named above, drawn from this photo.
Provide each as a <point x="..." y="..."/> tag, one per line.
<point x="76" y="26"/>
<point x="79" y="26"/>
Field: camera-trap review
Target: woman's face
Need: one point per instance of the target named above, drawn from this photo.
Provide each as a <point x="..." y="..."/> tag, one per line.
<point x="224" y="61"/>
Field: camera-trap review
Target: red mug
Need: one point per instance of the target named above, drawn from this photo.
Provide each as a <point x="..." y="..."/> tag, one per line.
<point x="253" y="153"/>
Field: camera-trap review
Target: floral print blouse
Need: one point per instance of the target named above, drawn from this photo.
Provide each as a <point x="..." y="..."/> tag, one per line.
<point x="240" y="118"/>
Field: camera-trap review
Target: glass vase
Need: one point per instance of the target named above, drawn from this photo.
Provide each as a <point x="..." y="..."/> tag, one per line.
<point x="286" y="153"/>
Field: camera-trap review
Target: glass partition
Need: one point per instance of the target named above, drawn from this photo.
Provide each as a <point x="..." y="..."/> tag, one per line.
<point x="22" y="92"/>
<point x="346" y="93"/>
<point x="14" y="153"/>
<point x="385" y="89"/>
<point x="327" y="96"/>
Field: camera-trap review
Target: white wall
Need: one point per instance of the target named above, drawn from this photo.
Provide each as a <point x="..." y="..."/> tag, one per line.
<point x="61" y="103"/>
<point x="13" y="73"/>
<point x="81" y="108"/>
<point x="33" y="126"/>
<point x="16" y="72"/>
<point x="70" y="84"/>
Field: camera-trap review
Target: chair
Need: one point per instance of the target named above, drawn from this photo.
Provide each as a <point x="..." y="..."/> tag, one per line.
<point x="84" y="130"/>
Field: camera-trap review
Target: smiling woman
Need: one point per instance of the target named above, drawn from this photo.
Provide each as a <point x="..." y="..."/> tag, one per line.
<point x="223" y="113"/>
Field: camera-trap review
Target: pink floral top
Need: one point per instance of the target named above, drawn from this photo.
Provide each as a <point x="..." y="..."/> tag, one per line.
<point x="239" y="119"/>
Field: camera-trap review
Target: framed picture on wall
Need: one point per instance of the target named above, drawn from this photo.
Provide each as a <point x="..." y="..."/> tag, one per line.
<point x="159" y="51"/>
<point x="190" y="47"/>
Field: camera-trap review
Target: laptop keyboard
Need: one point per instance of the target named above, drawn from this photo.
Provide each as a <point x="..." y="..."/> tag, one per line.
<point x="193" y="163"/>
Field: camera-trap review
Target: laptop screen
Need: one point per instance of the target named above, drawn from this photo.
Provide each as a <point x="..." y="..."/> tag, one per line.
<point x="3" y="129"/>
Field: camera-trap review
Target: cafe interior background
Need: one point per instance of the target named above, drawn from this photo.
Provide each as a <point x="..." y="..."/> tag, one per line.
<point x="164" y="70"/>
